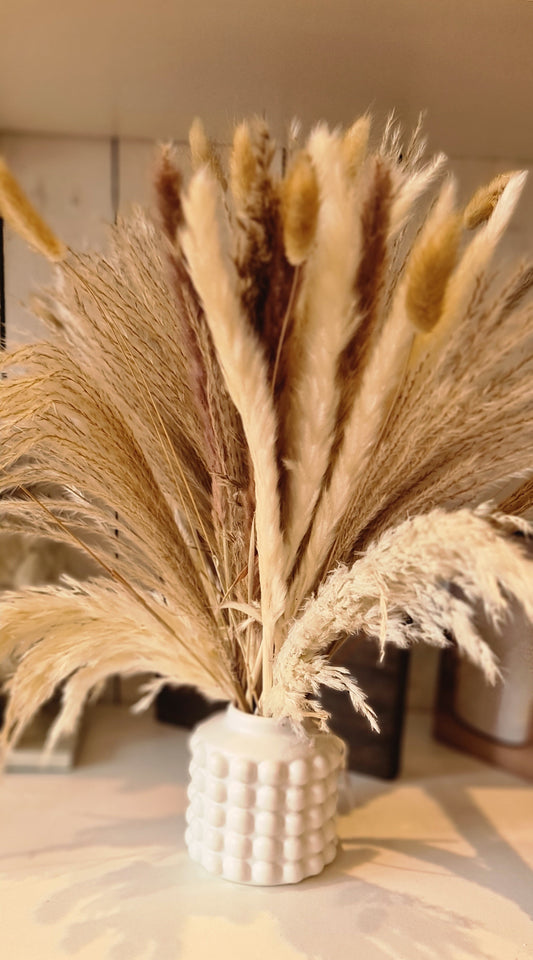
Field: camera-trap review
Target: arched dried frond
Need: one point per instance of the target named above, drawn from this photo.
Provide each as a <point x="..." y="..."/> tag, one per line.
<point x="419" y="581"/>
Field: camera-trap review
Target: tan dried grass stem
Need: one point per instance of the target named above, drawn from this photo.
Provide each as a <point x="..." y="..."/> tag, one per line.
<point x="19" y="213"/>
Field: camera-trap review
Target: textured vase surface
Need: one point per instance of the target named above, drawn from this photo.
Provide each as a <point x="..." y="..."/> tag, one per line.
<point x="263" y="800"/>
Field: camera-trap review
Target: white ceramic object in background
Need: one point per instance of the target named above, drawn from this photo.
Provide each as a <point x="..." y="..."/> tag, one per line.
<point x="263" y="801"/>
<point x="504" y="711"/>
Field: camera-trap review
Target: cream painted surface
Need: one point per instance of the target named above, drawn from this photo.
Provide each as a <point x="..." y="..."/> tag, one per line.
<point x="130" y="68"/>
<point x="93" y="865"/>
<point x="258" y="937"/>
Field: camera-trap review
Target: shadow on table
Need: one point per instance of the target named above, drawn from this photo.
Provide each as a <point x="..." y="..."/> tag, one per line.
<point x="144" y="905"/>
<point x="144" y="900"/>
<point x="496" y="866"/>
<point x="146" y="908"/>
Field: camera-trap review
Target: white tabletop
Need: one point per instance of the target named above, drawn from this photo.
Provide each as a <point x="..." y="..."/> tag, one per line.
<point x="93" y="864"/>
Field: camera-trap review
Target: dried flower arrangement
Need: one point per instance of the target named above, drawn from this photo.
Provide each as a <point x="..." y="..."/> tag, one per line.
<point x="293" y="399"/>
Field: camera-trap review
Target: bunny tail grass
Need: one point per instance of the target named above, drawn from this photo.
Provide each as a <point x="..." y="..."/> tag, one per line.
<point x="17" y="211"/>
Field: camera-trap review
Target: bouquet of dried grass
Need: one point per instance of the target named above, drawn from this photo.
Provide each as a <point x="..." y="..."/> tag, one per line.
<point x="291" y="400"/>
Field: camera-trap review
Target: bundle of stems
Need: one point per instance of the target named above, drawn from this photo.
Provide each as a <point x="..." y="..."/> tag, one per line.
<point x="295" y="400"/>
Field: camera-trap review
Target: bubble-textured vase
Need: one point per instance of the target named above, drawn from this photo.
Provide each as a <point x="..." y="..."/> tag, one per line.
<point x="263" y="800"/>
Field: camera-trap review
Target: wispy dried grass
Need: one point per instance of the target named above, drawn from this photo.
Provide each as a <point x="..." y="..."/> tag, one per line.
<point x="288" y="398"/>
<point x="419" y="581"/>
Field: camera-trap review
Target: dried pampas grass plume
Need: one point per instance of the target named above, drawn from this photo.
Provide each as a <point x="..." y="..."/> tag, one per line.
<point x="478" y="254"/>
<point x="355" y="145"/>
<point x="299" y="209"/>
<point x="204" y="153"/>
<point x="289" y="399"/>
<point x="246" y="378"/>
<point x="399" y="592"/>
<point x="243" y="165"/>
<point x="429" y="269"/>
<point x="18" y="212"/>
<point x="168" y="182"/>
<point x="481" y="205"/>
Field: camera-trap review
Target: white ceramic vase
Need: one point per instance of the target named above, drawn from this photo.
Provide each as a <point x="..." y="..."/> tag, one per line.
<point x="263" y="800"/>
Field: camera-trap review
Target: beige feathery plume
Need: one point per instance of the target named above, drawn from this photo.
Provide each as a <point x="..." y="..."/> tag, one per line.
<point x="481" y="205"/>
<point x="243" y="165"/>
<point x="398" y="593"/>
<point x="112" y="635"/>
<point x="18" y="212"/>
<point x="199" y="144"/>
<point x="262" y="270"/>
<point x="243" y="364"/>
<point x="411" y="186"/>
<point x="336" y="516"/>
<point x="428" y="270"/>
<point x="355" y="145"/>
<point x="325" y="322"/>
<point x="299" y="209"/>
<point x="369" y="286"/>
<point x="168" y="183"/>
<point x="471" y="268"/>
<point x="203" y="152"/>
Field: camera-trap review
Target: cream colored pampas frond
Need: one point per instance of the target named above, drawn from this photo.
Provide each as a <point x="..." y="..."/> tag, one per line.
<point x="420" y="581"/>
<point x="387" y="347"/>
<point x="244" y="367"/>
<point x="324" y="325"/>
<point x="429" y="270"/>
<point x="112" y="635"/>
<point x="268" y="415"/>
